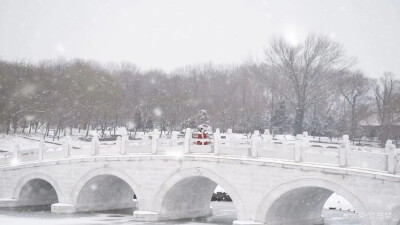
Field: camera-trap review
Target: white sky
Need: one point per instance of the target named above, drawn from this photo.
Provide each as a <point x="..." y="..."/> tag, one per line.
<point x="168" y="34"/>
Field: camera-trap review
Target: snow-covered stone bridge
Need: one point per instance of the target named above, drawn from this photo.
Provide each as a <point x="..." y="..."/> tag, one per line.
<point x="269" y="181"/>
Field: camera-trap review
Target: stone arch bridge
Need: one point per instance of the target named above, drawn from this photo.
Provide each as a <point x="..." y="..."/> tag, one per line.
<point x="270" y="182"/>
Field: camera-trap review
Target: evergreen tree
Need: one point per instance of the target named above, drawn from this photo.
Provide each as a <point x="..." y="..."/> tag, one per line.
<point x="203" y="117"/>
<point x="190" y="122"/>
<point x="138" y="120"/>
<point x="149" y="123"/>
<point x="280" y="119"/>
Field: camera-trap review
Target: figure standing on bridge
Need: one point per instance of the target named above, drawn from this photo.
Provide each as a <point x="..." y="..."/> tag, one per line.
<point x="202" y="135"/>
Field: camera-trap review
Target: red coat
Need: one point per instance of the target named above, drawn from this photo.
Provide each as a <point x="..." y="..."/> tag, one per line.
<point x="202" y="136"/>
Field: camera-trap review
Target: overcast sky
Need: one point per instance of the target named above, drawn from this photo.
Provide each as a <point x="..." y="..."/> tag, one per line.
<point x="168" y="34"/>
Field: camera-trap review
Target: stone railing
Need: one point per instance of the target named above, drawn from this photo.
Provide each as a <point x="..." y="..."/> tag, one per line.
<point x="298" y="149"/>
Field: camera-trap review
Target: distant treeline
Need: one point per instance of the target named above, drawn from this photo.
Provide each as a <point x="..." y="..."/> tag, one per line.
<point x="312" y="87"/>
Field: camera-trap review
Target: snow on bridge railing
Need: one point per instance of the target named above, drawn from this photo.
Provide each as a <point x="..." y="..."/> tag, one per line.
<point x="300" y="149"/>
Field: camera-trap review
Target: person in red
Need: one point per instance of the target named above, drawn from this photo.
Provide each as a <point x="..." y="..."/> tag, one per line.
<point x="202" y="135"/>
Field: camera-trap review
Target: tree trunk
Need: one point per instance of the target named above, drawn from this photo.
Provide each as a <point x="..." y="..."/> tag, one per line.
<point x="116" y="122"/>
<point x="8" y="124"/>
<point x="36" y="126"/>
<point x="47" y="129"/>
<point x="87" y="130"/>
<point x="58" y="129"/>
<point x="298" y="123"/>
<point x="353" y="121"/>
<point x="384" y="133"/>
<point x="15" y="123"/>
<point x="23" y="125"/>
<point x="46" y="132"/>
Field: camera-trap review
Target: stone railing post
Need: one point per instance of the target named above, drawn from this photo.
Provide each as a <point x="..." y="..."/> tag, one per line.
<point x="267" y="136"/>
<point x="124" y="141"/>
<point x="217" y="137"/>
<point x="67" y="147"/>
<point x="343" y="151"/>
<point x="118" y="144"/>
<point x="298" y="148"/>
<point x="188" y="138"/>
<point x="228" y="136"/>
<point x="174" y="137"/>
<point x="15" y="154"/>
<point x="41" y="150"/>
<point x="391" y="156"/>
<point x="95" y="144"/>
<point x="154" y="139"/>
<point x="255" y="140"/>
<point x="306" y="140"/>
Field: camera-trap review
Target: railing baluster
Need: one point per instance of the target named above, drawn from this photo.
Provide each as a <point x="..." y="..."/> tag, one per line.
<point x="217" y="137"/>
<point x="41" y="150"/>
<point x="188" y="138"/>
<point x="298" y="148"/>
<point x="255" y="140"/>
<point x="154" y="139"/>
<point x="391" y="156"/>
<point x="16" y="154"/>
<point x="343" y="151"/>
<point x="95" y="144"/>
<point x="123" y="143"/>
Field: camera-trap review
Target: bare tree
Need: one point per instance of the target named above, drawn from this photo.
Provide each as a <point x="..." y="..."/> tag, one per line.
<point x="308" y="69"/>
<point x="384" y="96"/>
<point x="352" y="86"/>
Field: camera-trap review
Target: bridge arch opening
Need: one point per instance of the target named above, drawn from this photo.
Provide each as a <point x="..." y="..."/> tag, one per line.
<point x="302" y="203"/>
<point x="105" y="193"/>
<point x="188" y="194"/>
<point x="37" y="192"/>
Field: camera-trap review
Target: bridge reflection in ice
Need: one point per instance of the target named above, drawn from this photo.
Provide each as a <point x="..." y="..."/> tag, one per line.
<point x="224" y="214"/>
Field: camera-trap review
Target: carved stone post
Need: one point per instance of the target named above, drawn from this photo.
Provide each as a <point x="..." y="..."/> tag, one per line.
<point x="118" y="144"/>
<point x="15" y="159"/>
<point x="124" y="140"/>
<point x="95" y="144"/>
<point x="298" y="148"/>
<point x="41" y="150"/>
<point x="188" y="138"/>
<point x="228" y="136"/>
<point x="154" y="139"/>
<point x="217" y="137"/>
<point x="255" y="140"/>
<point x="391" y="156"/>
<point x="67" y="147"/>
<point x="343" y="151"/>
<point x="267" y="136"/>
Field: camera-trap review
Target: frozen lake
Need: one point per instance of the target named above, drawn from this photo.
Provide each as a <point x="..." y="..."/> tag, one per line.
<point x="224" y="213"/>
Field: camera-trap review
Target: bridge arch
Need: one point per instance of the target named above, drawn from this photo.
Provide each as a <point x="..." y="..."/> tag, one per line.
<point x="200" y="177"/>
<point x="39" y="180"/>
<point x="318" y="191"/>
<point x="114" y="177"/>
